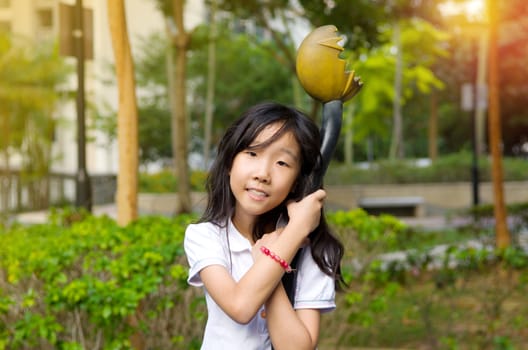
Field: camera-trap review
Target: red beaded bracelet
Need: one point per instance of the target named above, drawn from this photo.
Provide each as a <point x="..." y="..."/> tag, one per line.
<point x="283" y="263"/>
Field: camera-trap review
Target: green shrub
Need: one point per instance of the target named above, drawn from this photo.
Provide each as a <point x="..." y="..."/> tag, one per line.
<point x="449" y="168"/>
<point x="79" y="281"/>
<point x="160" y="182"/>
<point x="165" y="181"/>
<point x="465" y="296"/>
<point x="77" y="286"/>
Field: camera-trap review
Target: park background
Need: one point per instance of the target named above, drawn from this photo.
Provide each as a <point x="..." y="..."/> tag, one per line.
<point x="117" y="279"/>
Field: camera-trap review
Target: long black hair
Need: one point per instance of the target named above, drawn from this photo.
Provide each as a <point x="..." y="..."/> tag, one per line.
<point x="326" y="248"/>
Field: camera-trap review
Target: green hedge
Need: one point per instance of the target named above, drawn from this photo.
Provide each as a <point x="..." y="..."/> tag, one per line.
<point x="449" y="168"/>
<point x="405" y="294"/>
<point x="81" y="282"/>
<point x="78" y="286"/>
<point x="165" y="182"/>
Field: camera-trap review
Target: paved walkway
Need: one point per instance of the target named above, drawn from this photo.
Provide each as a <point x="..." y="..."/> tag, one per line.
<point x="426" y="223"/>
<point x="37" y="217"/>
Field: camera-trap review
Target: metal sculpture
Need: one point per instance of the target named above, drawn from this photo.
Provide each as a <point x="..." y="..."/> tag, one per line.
<point x="323" y="76"/>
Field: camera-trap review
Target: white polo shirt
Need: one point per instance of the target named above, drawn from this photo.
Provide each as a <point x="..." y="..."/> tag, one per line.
<point x="206" y="244"/>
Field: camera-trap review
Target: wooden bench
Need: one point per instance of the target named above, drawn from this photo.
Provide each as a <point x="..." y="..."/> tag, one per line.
<point x="410" y="206"/>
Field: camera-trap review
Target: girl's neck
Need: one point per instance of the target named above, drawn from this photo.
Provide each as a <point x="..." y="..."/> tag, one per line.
<point x="244" y="226"/>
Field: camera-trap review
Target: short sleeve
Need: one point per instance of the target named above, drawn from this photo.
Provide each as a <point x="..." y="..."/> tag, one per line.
<point x="203" y="247"/>
<point x="315" y="289"/>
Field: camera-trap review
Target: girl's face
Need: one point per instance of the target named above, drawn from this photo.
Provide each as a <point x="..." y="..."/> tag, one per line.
<point x="262" y="178"/>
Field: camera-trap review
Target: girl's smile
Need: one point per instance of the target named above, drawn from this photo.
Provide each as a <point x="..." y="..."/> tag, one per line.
<point x="257" y="194"/>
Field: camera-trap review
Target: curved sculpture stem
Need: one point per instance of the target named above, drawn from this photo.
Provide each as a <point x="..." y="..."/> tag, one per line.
<point x="330" y="129"/>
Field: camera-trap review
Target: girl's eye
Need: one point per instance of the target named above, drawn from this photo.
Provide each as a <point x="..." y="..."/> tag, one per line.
<point x="251" y="153"/>
<point x="282" y="163"/>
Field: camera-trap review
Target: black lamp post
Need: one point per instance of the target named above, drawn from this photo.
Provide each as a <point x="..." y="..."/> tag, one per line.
<point x="474" y="160"/>
<point x="83" y="187"/>
<point x="469" y="104"/>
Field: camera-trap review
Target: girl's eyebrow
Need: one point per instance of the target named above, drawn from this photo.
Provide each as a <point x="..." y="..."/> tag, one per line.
<point x="290" y="152"/>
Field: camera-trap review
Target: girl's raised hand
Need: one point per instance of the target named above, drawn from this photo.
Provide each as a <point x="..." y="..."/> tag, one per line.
<point x="306" y="213"/>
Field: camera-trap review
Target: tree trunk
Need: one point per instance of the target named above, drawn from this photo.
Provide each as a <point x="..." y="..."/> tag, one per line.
<point x="127" y="119"/>
<point x="211" y="78"/>
<point x="501" y="226"/>
<point x="433" y="127"/>
<point x="396" y="148"/>
<point x="180" y="40"/>
<point x="127" y="135"/>
<point x="5" y="184"/>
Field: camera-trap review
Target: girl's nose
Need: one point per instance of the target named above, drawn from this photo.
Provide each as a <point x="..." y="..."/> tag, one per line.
<point x="263" y="179"/>
<point x="262" y="175"/>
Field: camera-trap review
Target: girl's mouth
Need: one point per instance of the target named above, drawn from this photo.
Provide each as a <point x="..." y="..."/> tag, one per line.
<point x="257" y="194"/>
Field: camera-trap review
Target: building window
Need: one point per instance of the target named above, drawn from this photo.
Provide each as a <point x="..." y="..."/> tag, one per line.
<point x="45" y="18"/>
<point x="5" y="4"/>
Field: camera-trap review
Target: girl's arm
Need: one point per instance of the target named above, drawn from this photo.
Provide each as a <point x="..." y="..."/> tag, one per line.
<point x="291" y="329"/>
<point x="241" y="300"/>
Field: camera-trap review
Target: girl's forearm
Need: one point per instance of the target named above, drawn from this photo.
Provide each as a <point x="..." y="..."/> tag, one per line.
<point x="241" y="300"/>
<point x="286" y="329"/>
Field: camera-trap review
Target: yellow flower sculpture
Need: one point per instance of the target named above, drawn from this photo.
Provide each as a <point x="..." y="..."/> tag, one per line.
<point x="321" y="72"/>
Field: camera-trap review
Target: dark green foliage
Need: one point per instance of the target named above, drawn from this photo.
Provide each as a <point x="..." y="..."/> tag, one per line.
<point x="165" y="181"/>
<point x="74" y="282"/>
<point x="450" y="168"/>
<point x="247" y="73"/>
<point x="76" y="285"/>
<point x="459" y="294"/>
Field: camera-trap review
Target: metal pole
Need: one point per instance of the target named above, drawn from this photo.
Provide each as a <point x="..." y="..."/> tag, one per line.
<point x="83" y="188"/>
<point x="474" y="135"/>
<point x="474" y="163"/>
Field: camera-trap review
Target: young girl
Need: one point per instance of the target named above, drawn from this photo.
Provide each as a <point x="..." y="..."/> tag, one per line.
<point x="262" y="208"/>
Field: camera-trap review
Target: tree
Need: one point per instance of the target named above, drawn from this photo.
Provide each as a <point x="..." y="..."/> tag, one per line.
<point x="278" y="19"/>
<point x="127" y="131"/>
<point x="211" y="77"/>
<point x="239" y="84"/>
<point x="402" y="12"/>
<point x="375" y="103"/>
<point x="154" y="130"/>
<point x="499" y="208"/>
<point x="30" y="73"/>
<point x="360" y="21"/>
<point x="249" y="75"/>
<point x="153" y="104"/>
<point x="512" y="49"/>
<point x="127" y="120"/>
<point x="364" y="24"/>
<point x="173" y="11"/>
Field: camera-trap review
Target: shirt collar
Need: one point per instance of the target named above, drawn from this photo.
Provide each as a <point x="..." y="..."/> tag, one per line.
<point x="237" y="242"/>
